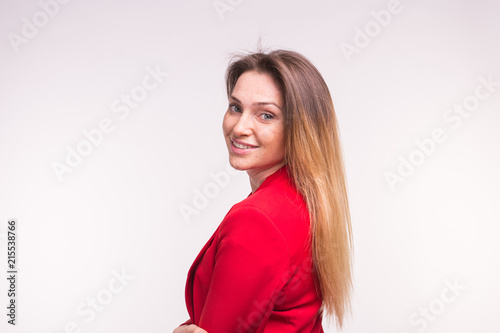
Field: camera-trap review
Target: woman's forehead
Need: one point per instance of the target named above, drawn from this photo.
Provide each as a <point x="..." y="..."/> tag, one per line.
<point x="257" y="87"/>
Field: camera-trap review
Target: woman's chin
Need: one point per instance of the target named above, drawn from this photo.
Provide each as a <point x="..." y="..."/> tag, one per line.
<point x="238" y="166"/>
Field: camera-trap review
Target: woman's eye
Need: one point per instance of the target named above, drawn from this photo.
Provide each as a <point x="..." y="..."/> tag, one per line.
<point x="234" y="107"/>
<point x="268" y="116"/>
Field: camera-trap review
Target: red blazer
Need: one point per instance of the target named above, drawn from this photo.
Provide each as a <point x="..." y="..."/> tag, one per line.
<point x="255" y="273"/>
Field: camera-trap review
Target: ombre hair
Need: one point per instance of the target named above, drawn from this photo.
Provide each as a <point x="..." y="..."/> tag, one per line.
<point x="314" y="161"/>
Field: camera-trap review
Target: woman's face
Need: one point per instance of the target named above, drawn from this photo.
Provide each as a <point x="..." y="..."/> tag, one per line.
<point x="254" y="120"/>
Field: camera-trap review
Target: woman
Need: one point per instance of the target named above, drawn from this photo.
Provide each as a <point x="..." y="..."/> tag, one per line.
<point x="281" y="258"/>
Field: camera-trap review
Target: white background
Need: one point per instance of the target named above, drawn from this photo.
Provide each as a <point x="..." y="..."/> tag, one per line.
<point x="119" y="209"/>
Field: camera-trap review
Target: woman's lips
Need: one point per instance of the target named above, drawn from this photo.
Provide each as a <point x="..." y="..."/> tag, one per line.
<point x="237" y="150"/>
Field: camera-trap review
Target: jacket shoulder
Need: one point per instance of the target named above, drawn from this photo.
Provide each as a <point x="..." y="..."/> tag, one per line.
<point x="279" y="204"/>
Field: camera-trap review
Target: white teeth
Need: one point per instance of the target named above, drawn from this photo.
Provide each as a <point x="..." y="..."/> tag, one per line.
<point x="241" y="146"/>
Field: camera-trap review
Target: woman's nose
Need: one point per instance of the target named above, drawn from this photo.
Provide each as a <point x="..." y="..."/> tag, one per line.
<point x="244" y="125"/>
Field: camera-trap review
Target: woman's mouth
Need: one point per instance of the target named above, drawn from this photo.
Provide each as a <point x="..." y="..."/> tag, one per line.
<point x="241" y="149"/>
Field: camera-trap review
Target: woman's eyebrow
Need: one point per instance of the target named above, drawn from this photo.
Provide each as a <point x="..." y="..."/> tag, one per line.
<point x="257" y="103"/>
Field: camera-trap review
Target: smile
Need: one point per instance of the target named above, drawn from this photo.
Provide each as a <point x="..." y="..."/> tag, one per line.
<point x="238" y="148"/>
<point x="242" y="146"/>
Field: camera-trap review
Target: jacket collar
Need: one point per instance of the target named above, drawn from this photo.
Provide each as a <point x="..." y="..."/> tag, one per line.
<point x="278" y="173"/>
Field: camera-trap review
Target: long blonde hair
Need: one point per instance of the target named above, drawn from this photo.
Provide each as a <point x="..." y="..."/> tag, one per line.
<point x="315" y="164"/>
